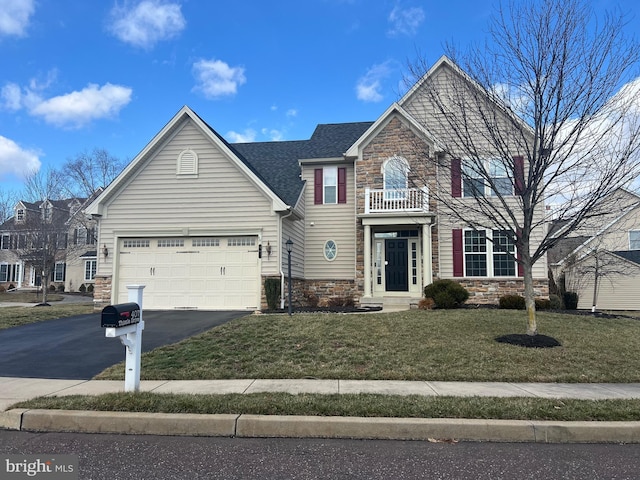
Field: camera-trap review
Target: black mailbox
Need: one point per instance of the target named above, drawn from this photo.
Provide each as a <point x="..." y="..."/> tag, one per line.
<point x="120" y="315"/>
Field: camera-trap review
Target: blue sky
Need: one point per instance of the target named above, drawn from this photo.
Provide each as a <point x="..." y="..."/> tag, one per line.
<point x="77" y="75"/>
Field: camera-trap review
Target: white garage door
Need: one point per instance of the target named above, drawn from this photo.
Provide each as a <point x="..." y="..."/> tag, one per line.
<point x="212" y="273"/>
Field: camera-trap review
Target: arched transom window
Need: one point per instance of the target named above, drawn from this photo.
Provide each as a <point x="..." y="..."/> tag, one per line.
<point x="395" y="171"/>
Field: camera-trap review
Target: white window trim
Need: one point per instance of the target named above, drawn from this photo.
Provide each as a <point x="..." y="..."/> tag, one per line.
<point x="397" y="192"/>
<point x="489" y="255"/>
<point x="324" y="250"/>
<point x="187" y="164"/>
<point x="326" y="184"/>
<point x="62" y="271"/>
<point x="4" y="276"/>
<point x="92" y="270"/>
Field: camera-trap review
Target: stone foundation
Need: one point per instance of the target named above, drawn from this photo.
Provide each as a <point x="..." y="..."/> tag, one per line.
<point x="312" y="293"/>
<point x="102" y="292"/>
<point x="488" y="291"/>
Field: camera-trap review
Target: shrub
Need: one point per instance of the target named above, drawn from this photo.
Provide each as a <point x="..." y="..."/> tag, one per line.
<point x="426" y="304"/>
<point x="543" y="304"/>
<point x="272" y="292"/>
<point x="570" y="300"/>
<point x="555" y="302"/>
<point x="90" y="288"/>
<point x="52" y="288"/>
<point x="446" y="293"/>
<point x="512" y="302"/>
<point x="2" y="289"/>
<point x="11" y="287"/>
<point x="82" y="288"/>
<point x="340" y="302"/>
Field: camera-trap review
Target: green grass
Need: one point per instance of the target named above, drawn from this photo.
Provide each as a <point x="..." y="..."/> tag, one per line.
<point x="16" y="316"/>
<point x="28" y="297"/>
<point x="453" y="345"/>
<point x="352" y="405"/>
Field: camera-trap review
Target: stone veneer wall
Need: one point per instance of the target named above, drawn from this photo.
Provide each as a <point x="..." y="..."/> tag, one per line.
<point x="396" y="138"/>
<point x="102" y="292"/>
<point x="488" y="291"/>
<point x="302" y="291"/>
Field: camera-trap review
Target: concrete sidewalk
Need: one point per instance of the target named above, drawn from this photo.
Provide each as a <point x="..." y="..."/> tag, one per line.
<point x="13" y="390"/>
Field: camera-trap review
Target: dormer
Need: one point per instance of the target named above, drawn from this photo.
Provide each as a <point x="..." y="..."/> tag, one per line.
<point x="20" y="213"/>
<point x="46" y="209"/>
<point x="74" y="206"/>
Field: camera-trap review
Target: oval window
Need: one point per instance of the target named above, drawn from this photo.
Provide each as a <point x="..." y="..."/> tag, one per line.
<point x="330" y="250"/>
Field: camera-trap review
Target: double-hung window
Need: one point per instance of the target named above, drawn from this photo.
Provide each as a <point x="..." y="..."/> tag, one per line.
<point x="330" y="185"/>
<point x="489" y="177"/>
<point x="486" y="256"/>
<point x="59" y="271"/>
<point x="634" y="239"/>
<point x="4" y="272"/>
<point x="90" y="267"/>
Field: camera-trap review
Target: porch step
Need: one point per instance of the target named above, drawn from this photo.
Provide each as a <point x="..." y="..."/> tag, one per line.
<point x="391" y="303"/>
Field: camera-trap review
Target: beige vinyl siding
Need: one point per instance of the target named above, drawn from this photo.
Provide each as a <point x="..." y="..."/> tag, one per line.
<point x="293" y="229"/>
<point x="220" y="201"/>
<point x="616" y="237"/>
<point x="617" y="291"/>
<point x="446" y="249"/>
<point x="329" y="222"/>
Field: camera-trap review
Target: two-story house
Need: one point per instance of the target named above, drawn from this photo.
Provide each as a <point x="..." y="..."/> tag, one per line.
<point x="202" y="222"/>
<point x="51" y="237"/>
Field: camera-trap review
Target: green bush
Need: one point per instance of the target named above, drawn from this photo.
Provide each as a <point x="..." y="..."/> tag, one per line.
<point x="570" y="300"/>
<point x="52" y="288"/>
<point x="446" y="293"/>
<point x="512" y="302"/>
<point x="543" y="304"/>
<point x="272" y="292"/>
<point x="555" y="302"/>
<point x="82" y="288"/>
<point x="60" y="288"/>
<point x="90" y="288"/>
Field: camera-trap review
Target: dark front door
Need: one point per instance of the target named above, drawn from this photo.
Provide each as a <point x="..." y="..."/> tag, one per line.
<point x="396" y="271"/>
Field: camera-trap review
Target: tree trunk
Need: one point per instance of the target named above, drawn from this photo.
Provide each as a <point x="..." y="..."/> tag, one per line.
<point x="529" y="295"/>
<point x="596" y="274"/>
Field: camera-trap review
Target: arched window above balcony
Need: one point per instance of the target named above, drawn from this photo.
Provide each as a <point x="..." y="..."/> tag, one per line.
<point x="395" y="171"/>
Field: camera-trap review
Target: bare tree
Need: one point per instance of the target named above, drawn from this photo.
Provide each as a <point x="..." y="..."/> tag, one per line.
<point x="43" y="184"/>
<point x="8" y="200"/>
<point x="88" y="172"/>
<point x="537" y="117"/>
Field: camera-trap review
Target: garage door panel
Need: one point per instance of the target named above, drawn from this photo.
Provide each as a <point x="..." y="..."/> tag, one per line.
<point x="213" y="275"/>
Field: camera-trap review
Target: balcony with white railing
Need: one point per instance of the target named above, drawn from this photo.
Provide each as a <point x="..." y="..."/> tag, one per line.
<point x="396" y="200"/>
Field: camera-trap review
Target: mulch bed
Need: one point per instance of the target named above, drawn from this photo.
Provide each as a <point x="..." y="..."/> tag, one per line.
<point x="529" y="341"/>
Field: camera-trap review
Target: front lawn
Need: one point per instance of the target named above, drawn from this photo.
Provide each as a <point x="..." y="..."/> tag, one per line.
<point x="15" y="316"/>
<point x="447" y="345"/>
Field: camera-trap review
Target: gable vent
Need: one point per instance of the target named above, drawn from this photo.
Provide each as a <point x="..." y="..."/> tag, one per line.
<point x="188" y="163"/>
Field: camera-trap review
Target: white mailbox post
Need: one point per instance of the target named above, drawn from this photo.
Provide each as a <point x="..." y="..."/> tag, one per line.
<point x="125" y="322"/>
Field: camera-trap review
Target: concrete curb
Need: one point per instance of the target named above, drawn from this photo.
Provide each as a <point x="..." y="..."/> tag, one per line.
<point x="320" y="427"/>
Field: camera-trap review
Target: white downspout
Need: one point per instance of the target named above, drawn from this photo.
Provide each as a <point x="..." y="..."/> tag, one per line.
<point x="280" y="255"/>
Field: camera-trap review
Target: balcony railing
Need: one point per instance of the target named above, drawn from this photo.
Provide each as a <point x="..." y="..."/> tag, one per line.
<point x="396" y="200"/>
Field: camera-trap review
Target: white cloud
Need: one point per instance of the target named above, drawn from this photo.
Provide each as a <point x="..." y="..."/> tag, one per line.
<point x="405" y="21"/>
<point x="368" y="88"/>
<point x="273" y="134"/>
<point x="14" y="16"/>
<point x="72" y="110"/>
<point x="292" y="112"/>
<point x="216" y="79"/>
<point x="15" y="160"/>
<point x="147" y="23"/>
<point x="249" y="135"/>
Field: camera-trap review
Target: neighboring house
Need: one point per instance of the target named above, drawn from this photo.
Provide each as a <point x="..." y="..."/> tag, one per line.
<point x="51" y="236"/>
<point x="601" y="261"/>
<point x="202" y="222"/>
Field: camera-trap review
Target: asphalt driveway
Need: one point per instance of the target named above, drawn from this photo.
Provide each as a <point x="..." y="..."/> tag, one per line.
<point x="76" y="348"/>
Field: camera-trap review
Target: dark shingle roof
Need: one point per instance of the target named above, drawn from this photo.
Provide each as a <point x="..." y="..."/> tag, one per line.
<point x="276" y="163"/>
<point x="631" y="255"/>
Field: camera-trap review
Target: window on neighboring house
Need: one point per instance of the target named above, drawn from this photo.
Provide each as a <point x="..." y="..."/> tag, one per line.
<point x="330" y="185"/>
<point x="90" y="267"/>
<point x="4" y="272"/>
<point x="634" y="239"/>
<point x="20" y="214"/>
<point x="481" y="256"/>
<point x="5" y="242"/>
<point x="80" y="236"/>
<point x="91" y="236"/>
<point x="61" y="240"/>
<point x="47" y="213"/>
<point x="59" y="272"/>
<point x="395" y="172"/>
